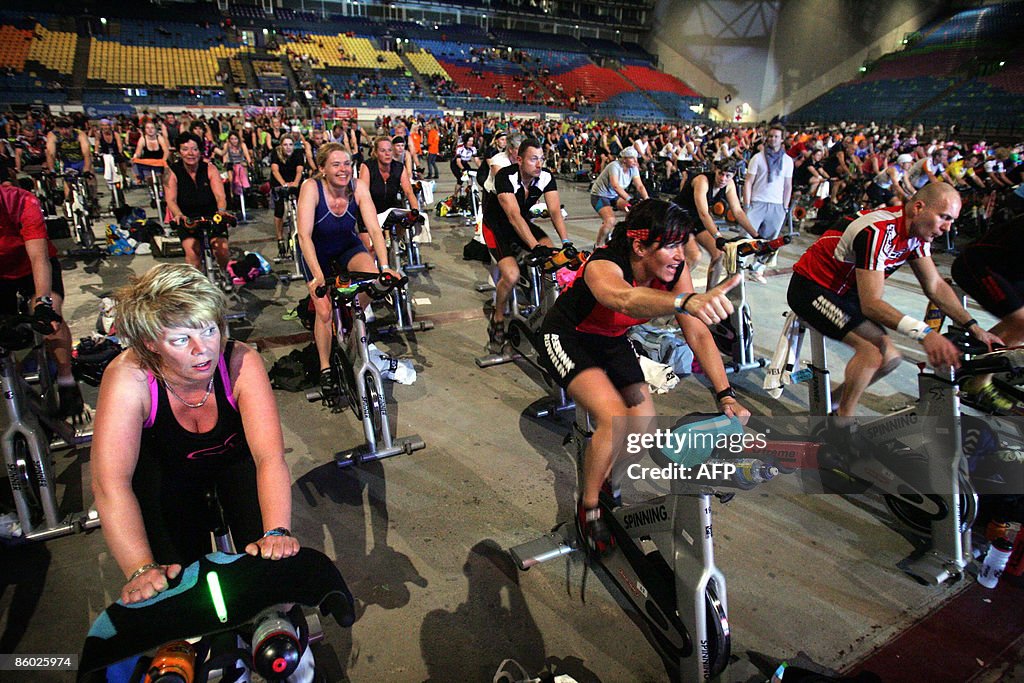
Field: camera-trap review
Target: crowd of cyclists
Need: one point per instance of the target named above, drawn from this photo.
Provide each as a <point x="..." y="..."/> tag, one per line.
<point x="652" y="188"/>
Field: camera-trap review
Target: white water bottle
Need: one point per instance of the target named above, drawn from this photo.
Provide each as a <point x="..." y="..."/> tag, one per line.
<point x="995" y="562"/>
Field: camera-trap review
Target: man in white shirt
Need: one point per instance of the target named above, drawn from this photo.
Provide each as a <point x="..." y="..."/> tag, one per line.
<point x="769" y="185"/>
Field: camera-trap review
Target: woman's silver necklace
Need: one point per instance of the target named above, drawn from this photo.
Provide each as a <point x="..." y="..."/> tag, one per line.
<point x="209" y="390"/>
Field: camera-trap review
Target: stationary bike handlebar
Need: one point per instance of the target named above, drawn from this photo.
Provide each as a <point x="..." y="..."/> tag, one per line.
<point x="980" y="361"/>
<point x="18" y="331"/>
<point x="551" y="260"/>
<point x="346" y="286"/>
<point x="69" y="174"/>
<point x="285" y="191"/>
<point x="202" y="222"/>
<point x="757" y="247"/>
<point x="219" y="593"/>
<point x="402" y="219"/>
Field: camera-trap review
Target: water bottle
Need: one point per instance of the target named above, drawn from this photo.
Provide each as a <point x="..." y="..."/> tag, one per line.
<point x="275" y="646"/>
<point x="174" y="662"/>
<point x="753" y="471"/>
<point x="995" y="562"/>
<point x="934" y="316"/>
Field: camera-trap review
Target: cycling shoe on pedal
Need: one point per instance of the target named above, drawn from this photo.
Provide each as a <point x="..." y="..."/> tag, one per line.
<point x="989" y="399"/>
<point x="593" y="531"/>
<point x="71" y="403"/>
<point x="496" y="336"/>
<point x="328" y="389"/>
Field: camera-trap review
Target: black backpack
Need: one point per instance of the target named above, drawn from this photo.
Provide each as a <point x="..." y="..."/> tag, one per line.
<point x="297" y="371"/>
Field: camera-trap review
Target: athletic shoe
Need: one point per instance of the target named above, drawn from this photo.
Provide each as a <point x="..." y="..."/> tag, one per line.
<point x="593" y="531"/>
<point x="328" y="389"/>
<point x="282" y="249"/>
<point x="989" y="399"/>
<point x="496" y="336"/>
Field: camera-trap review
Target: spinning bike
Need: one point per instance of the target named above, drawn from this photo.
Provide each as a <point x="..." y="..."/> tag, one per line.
<point x="664" y="561"/>
<point x="913" y="457"/>
<point x="353" y="373"/>
<point x="529" y="302"/>
<point x="155" y="185"/>
<point x="411" y="231"/>
<point x="239" y="184"/>
<point x="290" y="196"/>
<point x="29" y="436"/>
<point x="115" y="183"/>
<point x="76" y="208"/>
<point x="734" y="336"/>
<point x="200" y="228"/>
<point x="215" y="605"/>
<point x="400" y="226"/>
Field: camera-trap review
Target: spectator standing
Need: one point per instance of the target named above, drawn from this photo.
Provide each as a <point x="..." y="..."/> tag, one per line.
<point x="769" y="185"/>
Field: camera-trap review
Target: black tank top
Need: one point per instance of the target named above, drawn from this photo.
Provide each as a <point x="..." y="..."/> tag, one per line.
<point x="195" y="198"/>
<point x="686" y="200"/>
<point x="148" y="153"/>
<point x="107" y="147"/>
<point x="178" y="451"/>
<point x="386" y="195"/>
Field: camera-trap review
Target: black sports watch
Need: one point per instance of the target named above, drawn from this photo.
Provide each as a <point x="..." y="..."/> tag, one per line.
<point x="728" y="392"/>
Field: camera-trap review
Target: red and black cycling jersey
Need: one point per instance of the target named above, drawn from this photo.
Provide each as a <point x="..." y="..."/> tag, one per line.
<point x="577" y="309"/>
<point x="875" y="240"/>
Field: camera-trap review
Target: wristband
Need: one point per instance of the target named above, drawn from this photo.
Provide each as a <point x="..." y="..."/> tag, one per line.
<point x="969" y="324"/>
<point x="279" y="531"/>
<point x="681" y="302"/>
<point x="914" y="329"/>
<point x="143" y="569"/>
<point x="728" y="392"/>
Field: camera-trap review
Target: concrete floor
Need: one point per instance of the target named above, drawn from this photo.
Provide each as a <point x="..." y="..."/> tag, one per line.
<point x="421" y="538"/>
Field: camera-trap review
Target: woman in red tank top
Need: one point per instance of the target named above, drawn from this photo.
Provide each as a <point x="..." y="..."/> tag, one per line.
<point x="640" y="275"/>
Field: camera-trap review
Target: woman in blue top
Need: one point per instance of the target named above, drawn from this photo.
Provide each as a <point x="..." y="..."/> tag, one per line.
<point x="331" y="205"/>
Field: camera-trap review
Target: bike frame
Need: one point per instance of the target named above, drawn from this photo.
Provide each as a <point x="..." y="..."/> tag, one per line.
<point x="291" y="216"/>
<point x="949" y="550"/>
<point x="353" y="345"/>
<point x="76" y="206"/>
<point x="25" y="419"/>
<point x="523" y="325"/>
<point x="678" y="591"/>
<point x="405" y="317"/>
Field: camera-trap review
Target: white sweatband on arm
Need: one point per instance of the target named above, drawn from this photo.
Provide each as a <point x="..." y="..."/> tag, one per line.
<point x="915" y="329"/>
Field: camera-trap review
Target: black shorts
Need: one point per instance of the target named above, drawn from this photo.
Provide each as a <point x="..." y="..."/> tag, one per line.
<point x="503" y="245"/>
<point x="564" y="356"/>
<point x="831" y="314"/>
<point x="990" y="287"/>
<point x="10" y="289"/>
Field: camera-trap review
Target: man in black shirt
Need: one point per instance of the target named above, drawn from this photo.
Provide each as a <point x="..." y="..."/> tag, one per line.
<point x="506" y="229"/>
